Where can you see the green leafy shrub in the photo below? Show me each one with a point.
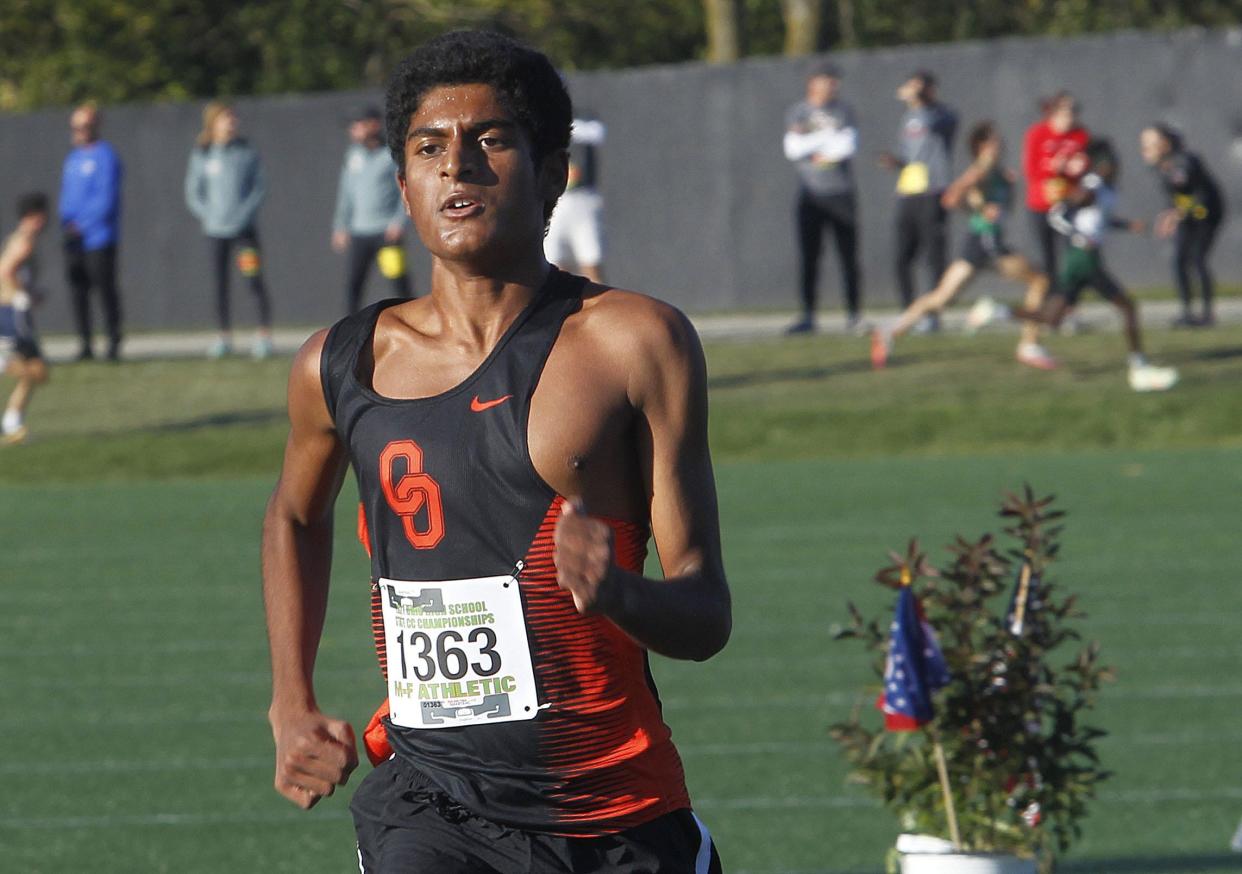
(1021, 761)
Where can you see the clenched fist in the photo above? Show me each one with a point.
(314, 755)
(583, 555)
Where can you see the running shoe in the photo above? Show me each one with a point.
(881, 346)
(802, 326)
(984, 312)
(1035, 355)
(17, 435)
(1236, 843)
(220, 349)
(1148, 377)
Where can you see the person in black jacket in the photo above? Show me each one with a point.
(1193, 219)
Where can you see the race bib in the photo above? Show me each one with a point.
(913, 178)
(457, 652)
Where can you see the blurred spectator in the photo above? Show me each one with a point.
(1047, 148)
(20, 354)
(90, 216)
(575, 238)
(821, 137)
(224, 186)
(370, 218)
(1197, 209)
(925, 164)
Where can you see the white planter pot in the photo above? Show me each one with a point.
(964, 863)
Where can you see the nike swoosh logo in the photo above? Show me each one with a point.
(479, 406)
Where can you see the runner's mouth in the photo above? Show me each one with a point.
(461, 206)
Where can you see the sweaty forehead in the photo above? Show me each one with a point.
(448, 105)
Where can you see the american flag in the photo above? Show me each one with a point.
(914, 669)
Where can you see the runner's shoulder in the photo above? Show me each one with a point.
(635, 323)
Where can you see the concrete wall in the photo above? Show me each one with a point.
(698, 196)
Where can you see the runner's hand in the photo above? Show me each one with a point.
(583, 557)
(314, 755)
(340, 241)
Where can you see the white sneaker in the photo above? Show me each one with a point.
(1236, 843)
(1035, 355)
(1148, 377)
(220, 349)
(984, 312)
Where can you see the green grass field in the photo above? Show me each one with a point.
(133, 682)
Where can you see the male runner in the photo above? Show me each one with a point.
(1085, 216)
(821, 138)
(986, 189)
(517, 434)
(20, 355)
(925, 168)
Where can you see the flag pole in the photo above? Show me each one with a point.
(942, 769)
(1024, 592)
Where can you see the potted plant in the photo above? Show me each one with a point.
(983, 754)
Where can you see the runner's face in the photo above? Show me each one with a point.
(470, 185)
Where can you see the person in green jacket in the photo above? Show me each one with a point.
(224, 187)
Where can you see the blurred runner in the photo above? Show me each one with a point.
(986, 190)
(821, 138)
(1085, 217)
(20, 355)
(1193, 220)
(370, 219)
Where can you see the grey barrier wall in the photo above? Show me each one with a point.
(698, 197)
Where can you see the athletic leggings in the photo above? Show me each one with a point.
(840, 213)
(250, 263)
(361, 256)
(1192, 245)
(921, 224)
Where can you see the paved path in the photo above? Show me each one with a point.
(731, 326)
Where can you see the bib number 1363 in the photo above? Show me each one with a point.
(457, 652)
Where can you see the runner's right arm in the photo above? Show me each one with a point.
(314, 753)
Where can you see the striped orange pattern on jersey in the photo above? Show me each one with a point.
(603, 733)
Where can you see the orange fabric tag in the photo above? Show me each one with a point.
(375, 738)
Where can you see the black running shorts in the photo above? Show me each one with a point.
(406, 826)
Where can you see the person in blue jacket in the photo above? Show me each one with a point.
(224, 187)
(369, 219)
(90, 216)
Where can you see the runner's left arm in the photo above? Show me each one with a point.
(688, 614)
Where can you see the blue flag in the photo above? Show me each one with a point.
(914, 669)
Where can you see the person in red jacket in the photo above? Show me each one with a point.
(1047, 147)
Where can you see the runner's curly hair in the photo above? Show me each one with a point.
(524, 79)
